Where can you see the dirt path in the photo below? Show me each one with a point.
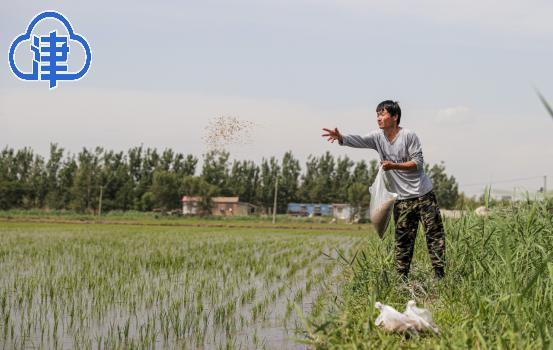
(176, 224)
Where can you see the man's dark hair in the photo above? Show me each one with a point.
(392, 107)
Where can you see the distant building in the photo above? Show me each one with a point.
(190, 205)
(341, 211)
(231, 206)
(222, 206)
(338, 211)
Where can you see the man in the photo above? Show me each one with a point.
(401, 157)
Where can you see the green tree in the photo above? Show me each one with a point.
(142, 165)
(445, 187)
(11, 194)
(85, 188)
(12, 189)
(116, 182)
(23, 168)
(308, 179)
(36, 184)
(358, 198)
(54, 196)
(317, 182)
(270, 170)
(361, 173)
(185, 166)
(342, 179)
(6, 165)
(23, 164)
(289, 182)
(166, 160)
(66, 178)
(215, 170)
(146, 202)
(165, 190)
(243, 180)
(323, 191)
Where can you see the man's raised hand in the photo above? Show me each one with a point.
(332, 135)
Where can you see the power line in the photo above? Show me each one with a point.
(502, 181)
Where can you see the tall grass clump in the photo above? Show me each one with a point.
(497, 293)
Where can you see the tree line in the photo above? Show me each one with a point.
(144, 179)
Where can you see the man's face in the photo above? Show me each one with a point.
(385, 120)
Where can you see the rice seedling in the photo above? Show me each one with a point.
(124, 286)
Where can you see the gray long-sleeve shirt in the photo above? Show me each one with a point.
(405, 147)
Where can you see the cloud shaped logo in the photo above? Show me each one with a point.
(50, 52)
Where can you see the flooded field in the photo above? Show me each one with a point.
(65, 286)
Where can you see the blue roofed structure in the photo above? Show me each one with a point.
(310, 209)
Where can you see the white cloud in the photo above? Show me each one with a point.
(454, 115)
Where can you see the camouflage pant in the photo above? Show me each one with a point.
(407, 215)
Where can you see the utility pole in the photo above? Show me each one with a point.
(275, 202)
(100, 201)
(101, 195)
(544, 186)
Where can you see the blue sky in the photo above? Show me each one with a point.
(463, 72)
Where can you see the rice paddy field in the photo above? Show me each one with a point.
(125, 286)
(105, 286)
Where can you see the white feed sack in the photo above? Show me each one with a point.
(392, 320)
(380, 217)
(421, 317)
(414, 319)
(382, 203)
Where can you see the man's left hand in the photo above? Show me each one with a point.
(387, 165)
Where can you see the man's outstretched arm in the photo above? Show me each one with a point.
(355, 141)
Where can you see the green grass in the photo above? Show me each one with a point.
(141, 286)
(498, 292)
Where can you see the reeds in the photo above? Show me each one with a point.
(497, 293)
